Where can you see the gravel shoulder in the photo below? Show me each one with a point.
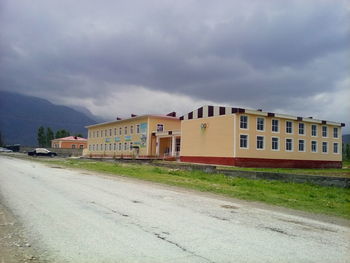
(14, 242)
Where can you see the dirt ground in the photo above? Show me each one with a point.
(14, 245)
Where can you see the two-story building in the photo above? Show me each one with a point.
(253, 138)
(145, 136)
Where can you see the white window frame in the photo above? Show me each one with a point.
(324, 126)
(263, 142)
(290, 127)
(160, 125)
(292, 143)
(241, 122)
(326, 152)
(336, 143)
(278, 126)
(126, 130)
(316, 130)
(138, 128)
(120, 130)
(335, 133)
(304, 130)
(247, 141)
(257, 124)
(304, 145)
(120, 148)
(278, 143)
(315, 147)
(125, 146)
(131, 129)
(115, 131)
(130, 145)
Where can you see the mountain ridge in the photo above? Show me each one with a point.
(22, 115)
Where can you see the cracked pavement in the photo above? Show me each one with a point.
(78, 216)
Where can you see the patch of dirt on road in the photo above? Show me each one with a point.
(14, 245)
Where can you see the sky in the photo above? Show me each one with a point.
(118, 57)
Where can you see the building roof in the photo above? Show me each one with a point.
(211, 111)
(71, 138)
(134, 118)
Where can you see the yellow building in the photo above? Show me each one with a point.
(143, 136)
(253, 138)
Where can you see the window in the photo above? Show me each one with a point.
(289, 145)
(260, 124)
(96, 147)
(94, 134)
(110, 147)
(324, 131)
(105, 147)
(335, 147)
(131, 146)
(314, 146)
(301, 128)
(125, 130)
(115, 131)
(93, 147)
(313, 130)
(120, 146)
(160, 127)
(243, 122)
(125, 146)
(89, 147)
(97, 132)
(335, 132)
(243, 141)
(137, 128)
(73, 146)
(260, 142)
(110, 132)
(101, 147)
(131, 129)
(120, 131)
(301, 146)
(81, 146)
(106, 133)
(324, 147)
(275, 144)
(275, 125)
(114, 147)
(289, 127)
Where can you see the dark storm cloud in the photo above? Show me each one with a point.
(256, 53)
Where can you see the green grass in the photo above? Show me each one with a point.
(316, 199)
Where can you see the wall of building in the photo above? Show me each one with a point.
(282, 153)
(111, 135)
(208, 137)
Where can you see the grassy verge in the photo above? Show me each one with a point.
(344, 172)
(317, 199)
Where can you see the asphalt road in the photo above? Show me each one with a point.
(78, 216)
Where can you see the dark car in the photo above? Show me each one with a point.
(42, 152)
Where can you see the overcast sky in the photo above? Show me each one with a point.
(156, 56)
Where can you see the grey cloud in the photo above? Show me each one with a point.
(256, 53)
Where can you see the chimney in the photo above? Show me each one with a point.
(172, 114)
(119, 119)
(133, 115)
(259, 109)
(75, 137)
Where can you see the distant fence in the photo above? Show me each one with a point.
(59, 151)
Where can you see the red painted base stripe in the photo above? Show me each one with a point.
(261, 163)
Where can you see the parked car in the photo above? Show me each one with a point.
(42, 152)
(5, 150)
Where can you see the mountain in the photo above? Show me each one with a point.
(21, 116)
(346, 138)
(88, 113)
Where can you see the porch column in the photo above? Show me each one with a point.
(173, 146)
(157, 145)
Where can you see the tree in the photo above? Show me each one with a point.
(41, 136)
(347, 151)
(78, 135)
(2, 142)
(49, 136)
(62, 133)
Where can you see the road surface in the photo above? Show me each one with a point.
(77, 216)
